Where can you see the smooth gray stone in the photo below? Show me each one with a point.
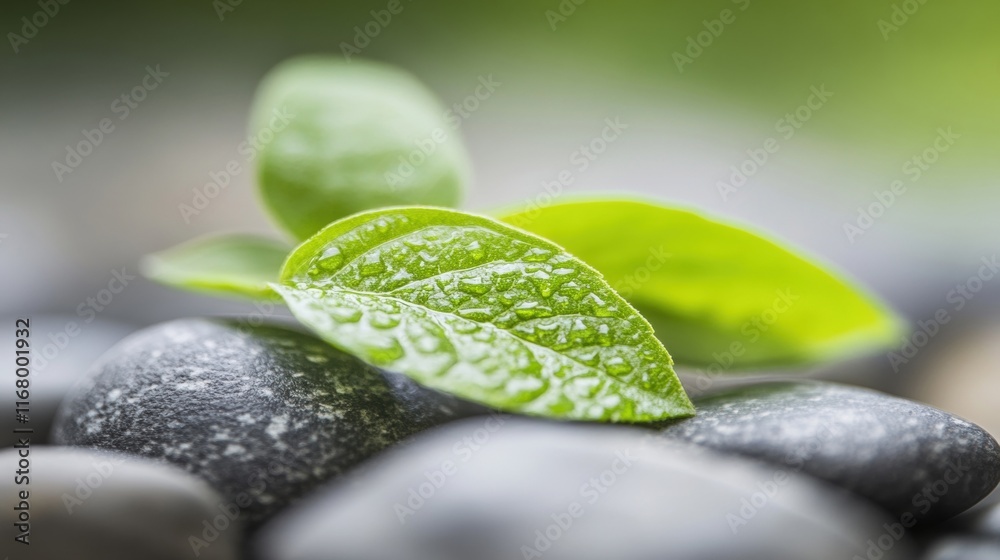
(62, 349)
(527, 489)
(101, 506)
(909, 458)
(989, 522)
(982, 521)
(263, 414)
(964, 548)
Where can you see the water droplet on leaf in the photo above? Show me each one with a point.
(537, 254)
(383, 350)
(616, 365)
(476, 286)
(531, 310)
(476, 314)
(345, 314)
(381, 320)
(331, 259)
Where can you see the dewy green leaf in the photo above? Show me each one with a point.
(717, 294)
(240, 265)
(470, 306)
(338, 138)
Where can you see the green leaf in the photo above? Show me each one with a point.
(339, 138)
(711, 289)
(470, 306)
(240, 265)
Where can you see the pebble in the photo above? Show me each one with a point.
(964, 548)
(105, 506)
(911, 459)
(504, 488)
(62, 349)
(264, 414)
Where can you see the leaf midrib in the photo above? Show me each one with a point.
(368, 250)
(529, 343)
(442, 273)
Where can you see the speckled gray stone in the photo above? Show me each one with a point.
(263, 414)
(905, 456)
(101, 506)
(530, 489)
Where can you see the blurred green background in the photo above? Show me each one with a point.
(898, 72)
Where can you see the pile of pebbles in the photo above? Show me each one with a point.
(210, 439)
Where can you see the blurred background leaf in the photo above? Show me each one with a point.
(225, 265)
(718, 295)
